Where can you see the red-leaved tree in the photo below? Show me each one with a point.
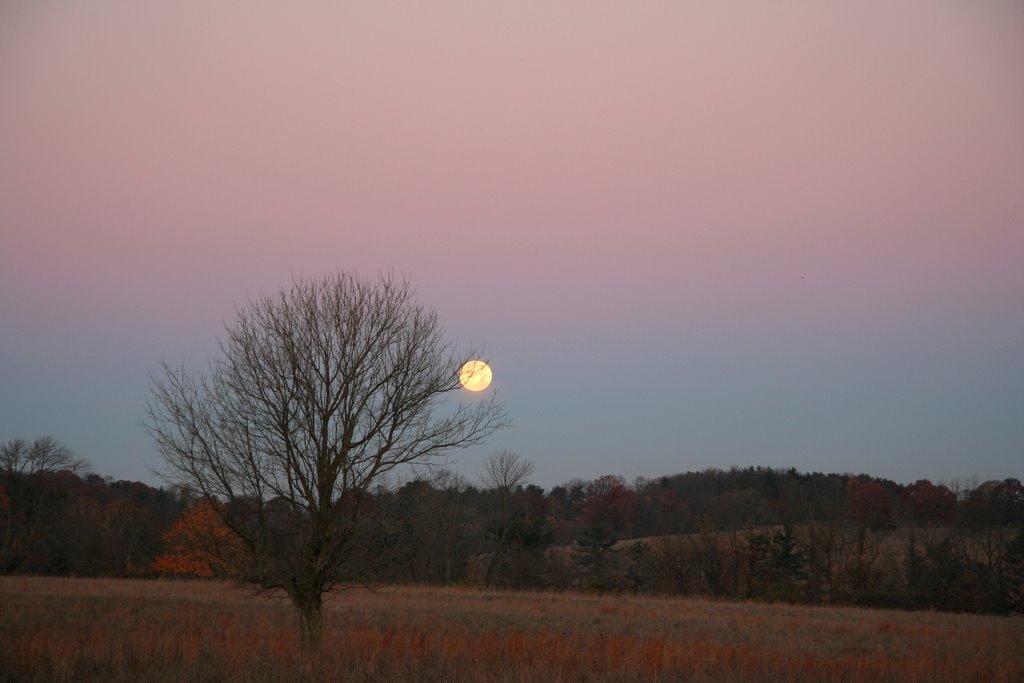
(198, 544)
(610, 504)
(871, 505)
(930, 505)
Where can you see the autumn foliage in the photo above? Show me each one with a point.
(871, 504)
(930, 504)
(199, 544)
(610, 504)
(852, 540)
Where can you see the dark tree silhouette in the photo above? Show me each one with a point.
(43, 456)
(871, 505)
(26, 503)
(504, 471)
(931, 505)
(318, 392)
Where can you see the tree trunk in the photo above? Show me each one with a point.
(311, 621)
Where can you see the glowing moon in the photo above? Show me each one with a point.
(475, 375)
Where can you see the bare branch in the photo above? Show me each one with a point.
(505, 470)
(317, 394)
(45, 454)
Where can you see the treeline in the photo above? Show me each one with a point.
(751, 533)
(57, 518)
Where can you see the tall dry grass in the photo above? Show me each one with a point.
(118, 630)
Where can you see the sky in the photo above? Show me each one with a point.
(688, 234)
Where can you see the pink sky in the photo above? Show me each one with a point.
(743, 211)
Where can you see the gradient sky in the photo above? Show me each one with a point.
(689, 234)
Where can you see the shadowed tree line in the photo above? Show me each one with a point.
(752, 533)
(56, 517)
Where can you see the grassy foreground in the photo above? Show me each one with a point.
(133, 630)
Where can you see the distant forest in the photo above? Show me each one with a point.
(750, 533)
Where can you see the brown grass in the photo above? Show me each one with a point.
(121, 630)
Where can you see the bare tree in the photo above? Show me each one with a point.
(318, 392)
(503, 471)
(45, 454)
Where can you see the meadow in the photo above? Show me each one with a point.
(112, 630)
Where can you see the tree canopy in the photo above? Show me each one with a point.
(318, 392)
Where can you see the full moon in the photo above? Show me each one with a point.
(475, 375)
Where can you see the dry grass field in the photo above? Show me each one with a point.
(135, 630)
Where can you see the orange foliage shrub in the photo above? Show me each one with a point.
(199, 544)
